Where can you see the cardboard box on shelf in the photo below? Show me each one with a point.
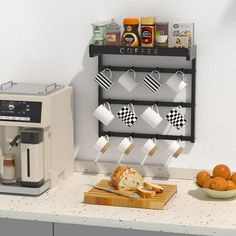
(178, 32)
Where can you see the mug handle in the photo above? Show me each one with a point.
(169, 128)
(183, 75)
(158, 73)
(108, 106)
(134, 73)
(110, 72)
(131, 139)
(131, 107)
(179, 140)
(154, 140)
(181, 110)
(155, 106)
(107, 137)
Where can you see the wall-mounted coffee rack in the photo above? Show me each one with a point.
(189, 54)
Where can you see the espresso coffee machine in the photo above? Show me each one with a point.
(36, 127)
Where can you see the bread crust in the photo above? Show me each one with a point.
(155, 187)
(145, 192)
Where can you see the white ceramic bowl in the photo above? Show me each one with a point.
(218, 194)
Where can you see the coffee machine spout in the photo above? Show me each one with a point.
(13, 142)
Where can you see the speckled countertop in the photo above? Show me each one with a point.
(190, 211)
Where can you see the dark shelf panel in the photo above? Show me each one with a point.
(188, 53)
(147, 136)
(147, 103)
(148, 69)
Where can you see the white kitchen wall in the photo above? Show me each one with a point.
(47, 40)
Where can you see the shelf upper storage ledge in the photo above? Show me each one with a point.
(188, 53)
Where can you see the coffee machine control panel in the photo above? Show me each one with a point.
(20, 111)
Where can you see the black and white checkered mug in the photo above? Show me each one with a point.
(127, 115)
(151, 82)
(176, 118)
(103, 78)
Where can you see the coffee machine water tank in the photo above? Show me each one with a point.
(32, 158)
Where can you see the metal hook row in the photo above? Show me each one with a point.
(158, 69)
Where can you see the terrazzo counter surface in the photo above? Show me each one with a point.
(189, 212)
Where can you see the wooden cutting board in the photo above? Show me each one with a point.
(100, 197)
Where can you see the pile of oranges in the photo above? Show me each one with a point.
(221, 180)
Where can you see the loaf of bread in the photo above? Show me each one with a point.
(155, 187)
(126, 178)
(145, 192)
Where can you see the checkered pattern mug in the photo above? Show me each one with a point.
(127, 115)
(176, 118)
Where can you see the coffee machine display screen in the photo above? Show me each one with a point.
(20, 111)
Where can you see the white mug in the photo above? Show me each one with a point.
(102, 144)
(128, 80)
(176, 83)
(150, 147)
(151, 116)
(126, 145)
(175, 149)
(104, 114)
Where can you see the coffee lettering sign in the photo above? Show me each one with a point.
(138, 51)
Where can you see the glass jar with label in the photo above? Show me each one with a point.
(99, 32)
(148, 31)
(131, 36)
(113, 34)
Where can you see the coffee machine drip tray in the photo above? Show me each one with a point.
(28, 88)
(17, 189)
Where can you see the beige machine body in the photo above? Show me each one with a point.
(54, 117)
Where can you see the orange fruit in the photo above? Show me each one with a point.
(201, 177)
(222, 171)
(233, 178)
(207, 183)
(230, 185)
(219, 184)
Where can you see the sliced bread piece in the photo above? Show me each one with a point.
(145, 192)
(155, 187)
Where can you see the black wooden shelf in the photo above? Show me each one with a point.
(188, 53)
